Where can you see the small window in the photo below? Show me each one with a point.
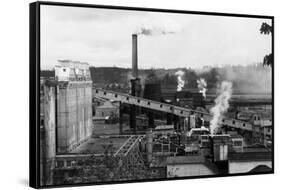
(138, 101)
(64, 70)
(223, 120)
(104, 93)
(204, 137)
(127, 98)
(171, 108)
(237, 143)
(97, 91)
(233, 122)
(244, 125)
(68, 163)
(116, 95)
(59, 164)
(161, 105)
(148, 103)
(181, 112)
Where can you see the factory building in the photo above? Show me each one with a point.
(173, 141)
(66, 113)
(249, 160)
(182, 166)
(109, 108)
(47, 133)
(74, 107)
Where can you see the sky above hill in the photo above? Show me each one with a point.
(102, 37)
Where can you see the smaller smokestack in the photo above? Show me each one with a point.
(135, 56)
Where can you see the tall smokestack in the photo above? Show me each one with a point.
(135, 56)
(135, 88)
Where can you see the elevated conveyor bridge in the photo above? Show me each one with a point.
(167, 108)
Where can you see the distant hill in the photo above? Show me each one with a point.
(251, 78)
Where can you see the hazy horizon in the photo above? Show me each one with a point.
(102, 37)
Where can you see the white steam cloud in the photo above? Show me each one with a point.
(181, 82)
(222, 104)
(202, 86)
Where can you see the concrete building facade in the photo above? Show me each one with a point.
(74, 112)
(107, 109)
(47, 134)
(182, 166)
(74, 104)
(247, 166)
(65, 114)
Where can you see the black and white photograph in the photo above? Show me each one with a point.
(132, 95)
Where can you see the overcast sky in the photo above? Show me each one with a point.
(102, 37)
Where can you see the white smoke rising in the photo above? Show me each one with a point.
(181, 82)
(202, 86)
(222, 104)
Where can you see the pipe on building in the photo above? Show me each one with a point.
(120, 118)
(149, 145)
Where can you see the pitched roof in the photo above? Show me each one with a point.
(250, 156)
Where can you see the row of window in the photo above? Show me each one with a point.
(233, 122)
(69, 163)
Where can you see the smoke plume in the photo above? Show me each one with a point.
(202, 86)
(153, 31)
(181, 82)
(222, 104)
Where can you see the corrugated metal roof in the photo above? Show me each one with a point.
(250, 156)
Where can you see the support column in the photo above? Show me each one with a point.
(133, 124)
(169, 118)
(120, 119)
(151, 119)
(149, 145)
(176, 123)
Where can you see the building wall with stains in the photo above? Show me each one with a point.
(246, 166)
(182, 170)
(47, 134)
